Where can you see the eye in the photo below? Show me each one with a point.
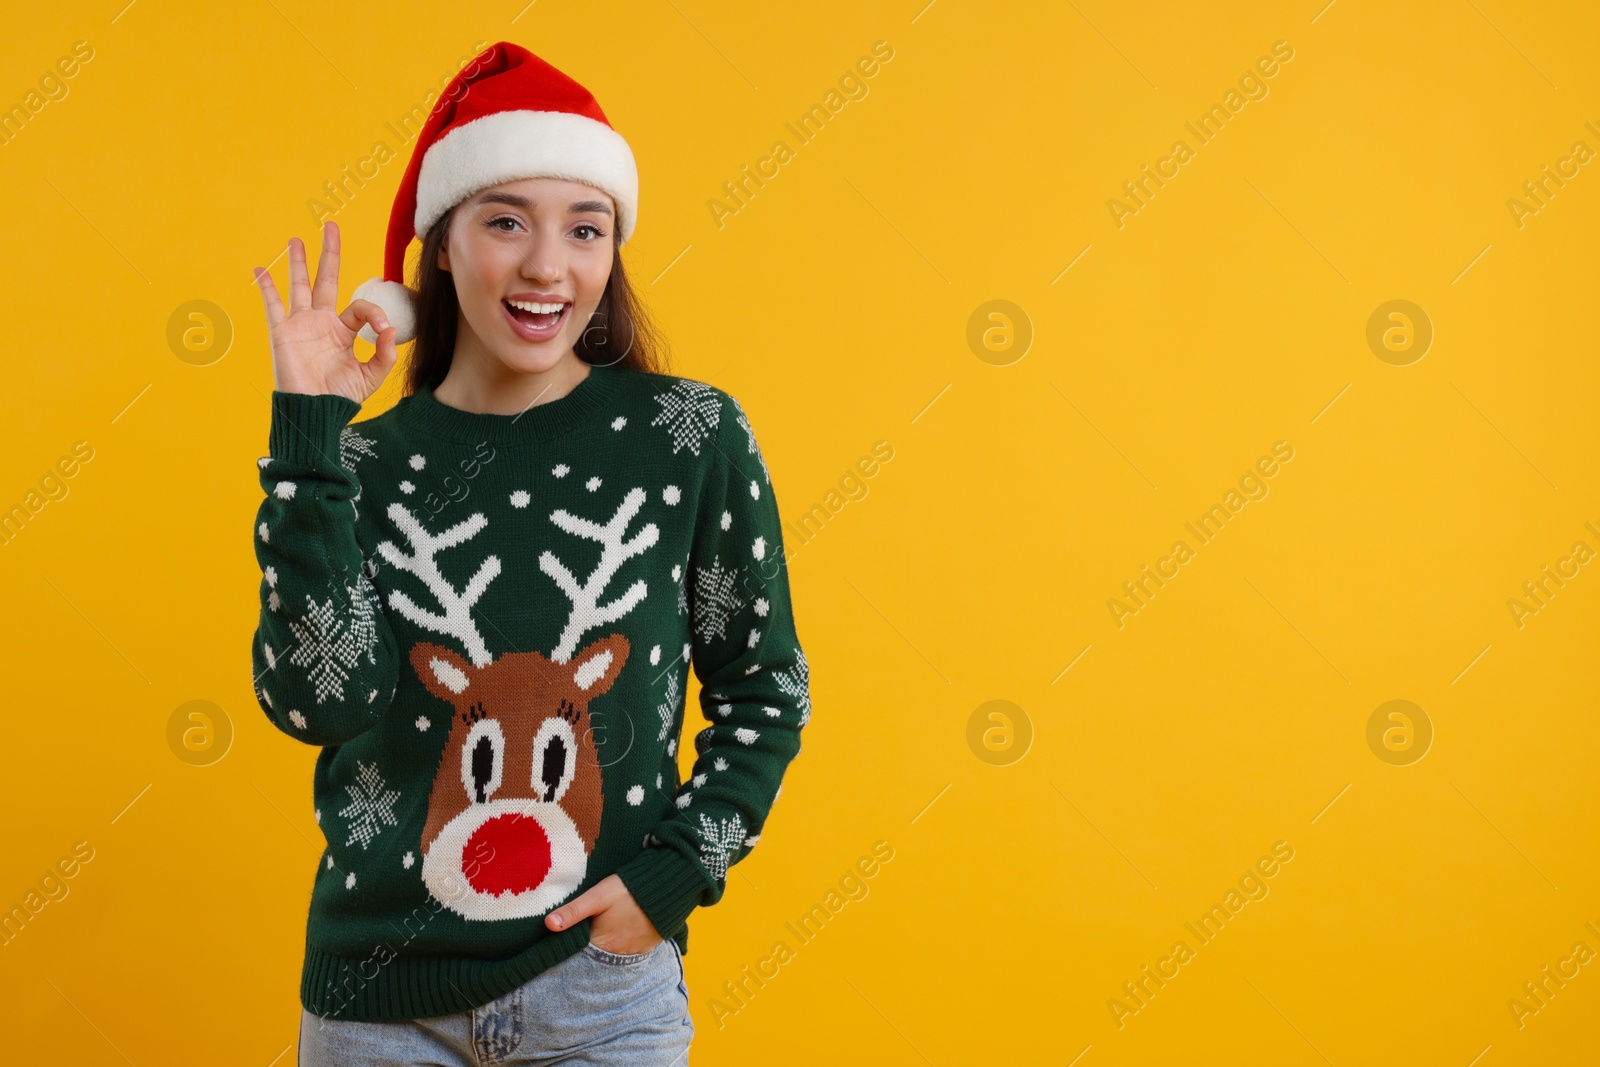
(483, 758)
(555, 759)
(494, 223)
(597, 231)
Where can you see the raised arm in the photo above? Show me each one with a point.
(325, 660)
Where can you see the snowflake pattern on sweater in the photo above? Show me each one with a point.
(331, 639)
(668, 709)
(371, 805)
(472, 646)
(716, 599)
(719, 840)
(753, 448)
(691, 412)
(354, 446)
(795, 682)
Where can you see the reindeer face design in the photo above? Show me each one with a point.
(516, 801)
(515, 808)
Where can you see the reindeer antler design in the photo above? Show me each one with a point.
(456, 619)
(587, 612)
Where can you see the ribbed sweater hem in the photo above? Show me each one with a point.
(424, 987)
(306, 426)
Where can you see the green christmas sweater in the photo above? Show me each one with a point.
(485, 623)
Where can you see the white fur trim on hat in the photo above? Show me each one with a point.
(509, 145)
(399, 307)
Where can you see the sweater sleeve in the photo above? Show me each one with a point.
(325, 660)
(754, 686)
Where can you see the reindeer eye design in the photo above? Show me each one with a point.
(555, 759)
(483, 760)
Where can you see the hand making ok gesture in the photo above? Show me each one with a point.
(313, 347)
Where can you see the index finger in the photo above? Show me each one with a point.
(269, 296)
(325, 294)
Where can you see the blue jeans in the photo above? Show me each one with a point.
(594, 1008)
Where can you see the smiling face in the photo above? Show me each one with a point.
(530, 260)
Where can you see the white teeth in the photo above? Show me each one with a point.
(537, 309)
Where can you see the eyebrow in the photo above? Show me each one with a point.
(514, 200)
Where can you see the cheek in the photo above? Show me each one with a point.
(591, 274)
(481, 267)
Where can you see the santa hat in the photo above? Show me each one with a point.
(506, 115)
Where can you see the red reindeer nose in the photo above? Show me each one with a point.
(507, 854)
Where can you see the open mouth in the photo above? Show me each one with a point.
(536, 321)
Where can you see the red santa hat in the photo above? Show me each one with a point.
(506, 115)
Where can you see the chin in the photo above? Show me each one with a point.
(526, 358)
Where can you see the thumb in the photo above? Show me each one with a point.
(583, 906)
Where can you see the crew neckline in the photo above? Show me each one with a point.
(424, 411)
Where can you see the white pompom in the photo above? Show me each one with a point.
(398, 304)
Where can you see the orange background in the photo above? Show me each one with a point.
(1044, 853)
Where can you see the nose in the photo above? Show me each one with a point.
(507, 854)
(544, 260)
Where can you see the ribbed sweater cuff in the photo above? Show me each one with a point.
(305, 428)
(666, 886)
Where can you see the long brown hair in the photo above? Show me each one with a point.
(620, 323)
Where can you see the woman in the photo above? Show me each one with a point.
(482, 605)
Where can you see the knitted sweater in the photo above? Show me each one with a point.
(486, 624)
